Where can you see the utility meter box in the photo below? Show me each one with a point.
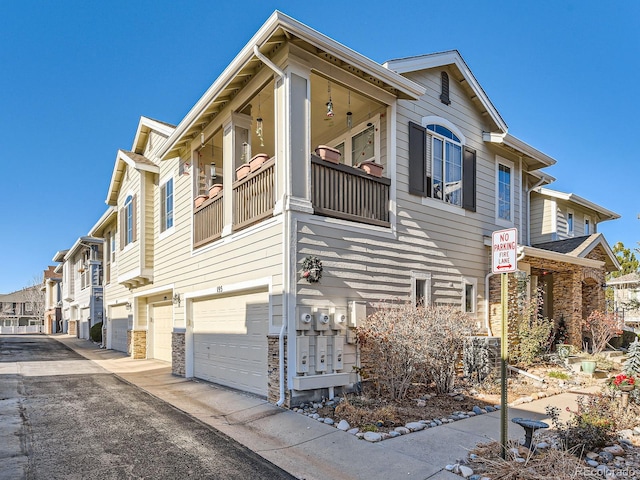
(338, 352)
(357, 313)
(339, 319)
(303, 318)
(302, 354)
(321, 353)
(322, 320)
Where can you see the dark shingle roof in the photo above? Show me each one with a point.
(563, 246)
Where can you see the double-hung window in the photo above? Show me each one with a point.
(128, 220)
(166, 205)
(570, 223)
(587, 225)
(504, 191)
(446, 164)
(440, 165)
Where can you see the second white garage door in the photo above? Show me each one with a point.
(230, 341)
(159, 334)
(119, 322)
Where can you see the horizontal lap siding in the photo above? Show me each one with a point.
(256, 254)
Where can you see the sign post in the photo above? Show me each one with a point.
(504, 248)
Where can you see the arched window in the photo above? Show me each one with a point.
(446, 165)
(440, 165)
(444, 88)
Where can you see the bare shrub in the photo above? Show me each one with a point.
(602, 327)
(404, 344)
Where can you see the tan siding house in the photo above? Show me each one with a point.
(221, 225)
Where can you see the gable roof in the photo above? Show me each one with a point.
(145, 126)
(603, 213)
(278, 29)
(453, 58)
(536, 159)
(580, 247)
(126, 159)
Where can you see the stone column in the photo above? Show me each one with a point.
(178, 353)
(273, 371)
(139, 348)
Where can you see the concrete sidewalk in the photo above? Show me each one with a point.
(302, 446)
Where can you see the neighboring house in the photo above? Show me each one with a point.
(213, 269)
(565, 257)
(82, 291)
(560, 216)
(626, 298)
(22, 311)
(52, 288)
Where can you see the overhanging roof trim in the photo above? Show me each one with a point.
(59, 256)
(572, 197)
(278, 20)
(560, 257)
(516, 143)
(134, 160)
(451, 57)
(106, 216)
(82, 241)
(146, 125)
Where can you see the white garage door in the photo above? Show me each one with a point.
(230, 341)
(159, 334)
(119, 326)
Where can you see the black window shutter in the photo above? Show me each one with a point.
(469, 180)
(417, 153)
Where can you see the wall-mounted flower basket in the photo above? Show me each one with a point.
(312, 269)
(327, 153)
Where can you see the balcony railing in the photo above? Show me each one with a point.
(346, 192)
(253, 201)
(254, 196)
(208, 220)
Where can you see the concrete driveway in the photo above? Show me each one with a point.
(63, 416)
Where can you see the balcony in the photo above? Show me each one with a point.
(253, 201)
(348, 193)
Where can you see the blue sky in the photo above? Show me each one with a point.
(75, 77)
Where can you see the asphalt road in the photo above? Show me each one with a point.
(64, 417)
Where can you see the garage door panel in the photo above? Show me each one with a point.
(119, 338)
(230, 341)
(160, 331)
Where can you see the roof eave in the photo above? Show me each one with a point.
(517, 144)
(451, 57)
(278, 20)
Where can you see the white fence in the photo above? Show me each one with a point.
(23, 329)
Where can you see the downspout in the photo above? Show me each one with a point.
(286, 228)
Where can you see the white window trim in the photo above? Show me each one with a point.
(347, 137)
(433, 119)
(426, 276)
(570, 231)
(445, 123)
(167, 232)
(587, 218)
(474, 304)
(501, 221)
